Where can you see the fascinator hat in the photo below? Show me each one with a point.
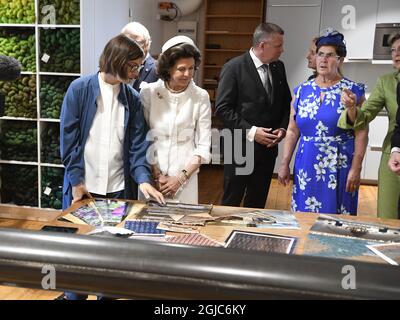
(331, 37)
(175, 41)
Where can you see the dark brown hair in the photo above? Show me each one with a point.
(117, 53)
(340, 50)
(169, 58)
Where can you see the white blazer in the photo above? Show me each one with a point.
(180, 126)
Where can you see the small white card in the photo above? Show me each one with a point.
(47, 191)
(45, 58)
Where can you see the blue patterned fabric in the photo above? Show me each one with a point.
(325, 152)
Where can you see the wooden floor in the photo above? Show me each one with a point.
(279, 197)
(210, 191)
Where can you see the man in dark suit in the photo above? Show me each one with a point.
(253, 101)
(147, 72)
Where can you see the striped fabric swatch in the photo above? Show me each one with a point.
(195, 239)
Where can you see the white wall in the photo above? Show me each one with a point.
(388, 11)
(98, 27)
(296, 40)
(145, 12)
(365, 72)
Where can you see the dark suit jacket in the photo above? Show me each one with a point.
(396, 134)
(147, 73)
(242, 100)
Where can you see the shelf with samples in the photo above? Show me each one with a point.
(229, 27)
(45, 36)
(228, 32)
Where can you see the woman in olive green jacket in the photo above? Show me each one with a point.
(383, 96)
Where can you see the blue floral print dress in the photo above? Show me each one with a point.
(325, 151)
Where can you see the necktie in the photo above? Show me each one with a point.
(267, 81)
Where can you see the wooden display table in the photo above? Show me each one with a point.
(36, 219)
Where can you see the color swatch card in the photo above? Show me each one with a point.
(330, 246)
(263, 219)
(195, 239)
(143, 227)
(260, 242)
(339, 226)
(102, 212)
(177, 208)
(390, 252)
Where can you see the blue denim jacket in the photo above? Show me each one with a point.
(77, 114)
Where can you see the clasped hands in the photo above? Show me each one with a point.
(269, 137)
(168, 185)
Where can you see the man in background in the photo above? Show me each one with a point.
(311, 58)
(147, 72)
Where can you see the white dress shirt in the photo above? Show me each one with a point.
(103, 153)
(180, 126)
(261, 72)
(259, 67)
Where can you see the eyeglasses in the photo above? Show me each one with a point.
(133, 67)
(183, 69)
(329, 55)
(395, 50)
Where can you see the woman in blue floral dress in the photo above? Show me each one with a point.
(328, 161)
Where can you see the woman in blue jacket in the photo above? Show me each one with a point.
(103, 131)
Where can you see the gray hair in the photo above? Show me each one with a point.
(265, 30)
(134, 29)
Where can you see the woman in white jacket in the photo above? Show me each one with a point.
(179, 116)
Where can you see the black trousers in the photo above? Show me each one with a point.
(254, 187)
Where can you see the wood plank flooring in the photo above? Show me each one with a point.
(279, 197)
